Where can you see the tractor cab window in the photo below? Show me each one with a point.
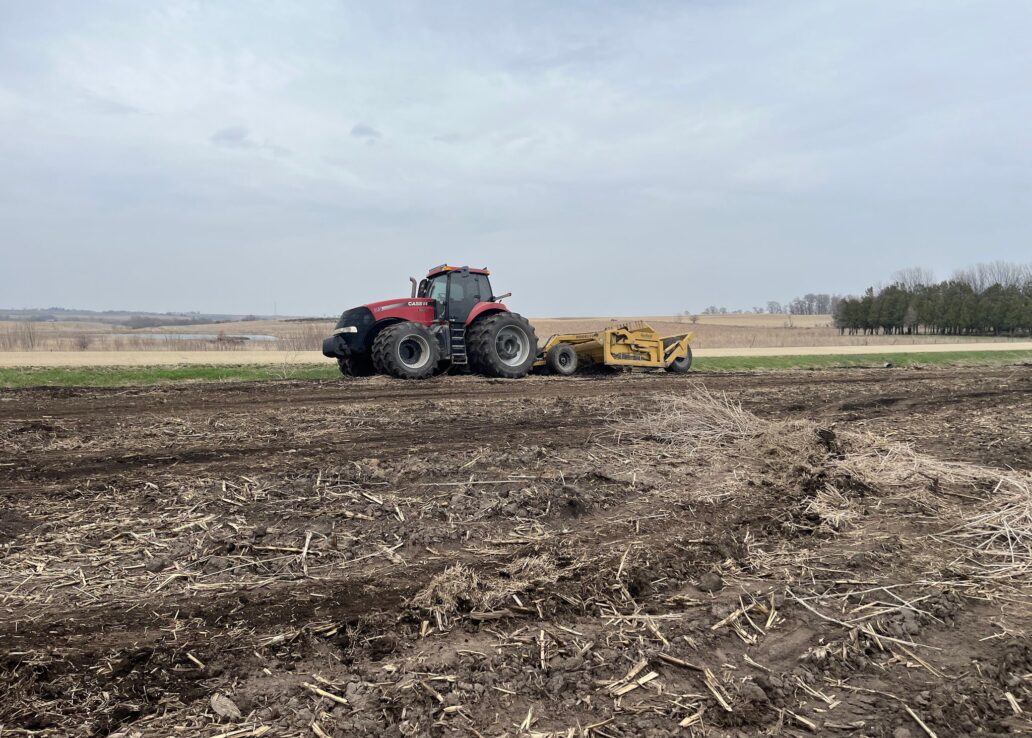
(481, 287)
(437, 288)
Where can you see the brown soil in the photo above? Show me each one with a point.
(484, 557)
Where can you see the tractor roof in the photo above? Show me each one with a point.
(445, 268)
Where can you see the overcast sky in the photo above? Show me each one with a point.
(600, 157)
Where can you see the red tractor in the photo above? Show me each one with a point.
(453, 318)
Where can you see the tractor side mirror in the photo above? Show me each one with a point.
(501, 297)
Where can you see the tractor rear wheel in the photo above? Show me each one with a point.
(562, 359)
(682, 365)
(406, 351)
(502, 345)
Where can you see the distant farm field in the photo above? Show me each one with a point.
(733, 331)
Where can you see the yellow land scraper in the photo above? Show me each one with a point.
(631, 345)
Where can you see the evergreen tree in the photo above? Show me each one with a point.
(969, 304)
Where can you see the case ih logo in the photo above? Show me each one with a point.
(411, 303)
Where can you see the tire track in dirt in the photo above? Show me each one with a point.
(762, 393)
(348, 446)
(59, 402)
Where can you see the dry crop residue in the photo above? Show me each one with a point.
(832, 553)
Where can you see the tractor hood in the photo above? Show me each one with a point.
(398, 303)
(357, 327)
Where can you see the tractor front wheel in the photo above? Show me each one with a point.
(406, 351)
(353, 366)
(502, 345)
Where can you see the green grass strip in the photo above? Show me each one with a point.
(118, 376)
(834, 361)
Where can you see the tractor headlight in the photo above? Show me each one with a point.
(346, 329)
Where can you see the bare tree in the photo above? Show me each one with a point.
(1006, 274)
(982, 276)
(913, 277)
(27, 335)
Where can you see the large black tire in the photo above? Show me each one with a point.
(562, 359)
(355, 366)
(502, 345)
(406, 351)
(682, 365)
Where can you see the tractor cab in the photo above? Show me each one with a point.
(455, 291)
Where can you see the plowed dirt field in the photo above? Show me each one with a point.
(801, 553)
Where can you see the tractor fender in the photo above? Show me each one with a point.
(485, 308)
(378, 328)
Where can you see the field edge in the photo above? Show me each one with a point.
(115, 376)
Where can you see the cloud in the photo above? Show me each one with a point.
(774, 148)
(451, 138)
(233, 137)
(107, 106)
(367, 132)
(239, 137)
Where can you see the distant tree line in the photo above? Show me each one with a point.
(987, 299)
(809, 304)
(149, 321)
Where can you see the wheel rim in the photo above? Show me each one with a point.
(414, 351)
(564, 359)
(512, 345)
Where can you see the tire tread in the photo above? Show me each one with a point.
(479, 343)
(385, 358)
(682, 368)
